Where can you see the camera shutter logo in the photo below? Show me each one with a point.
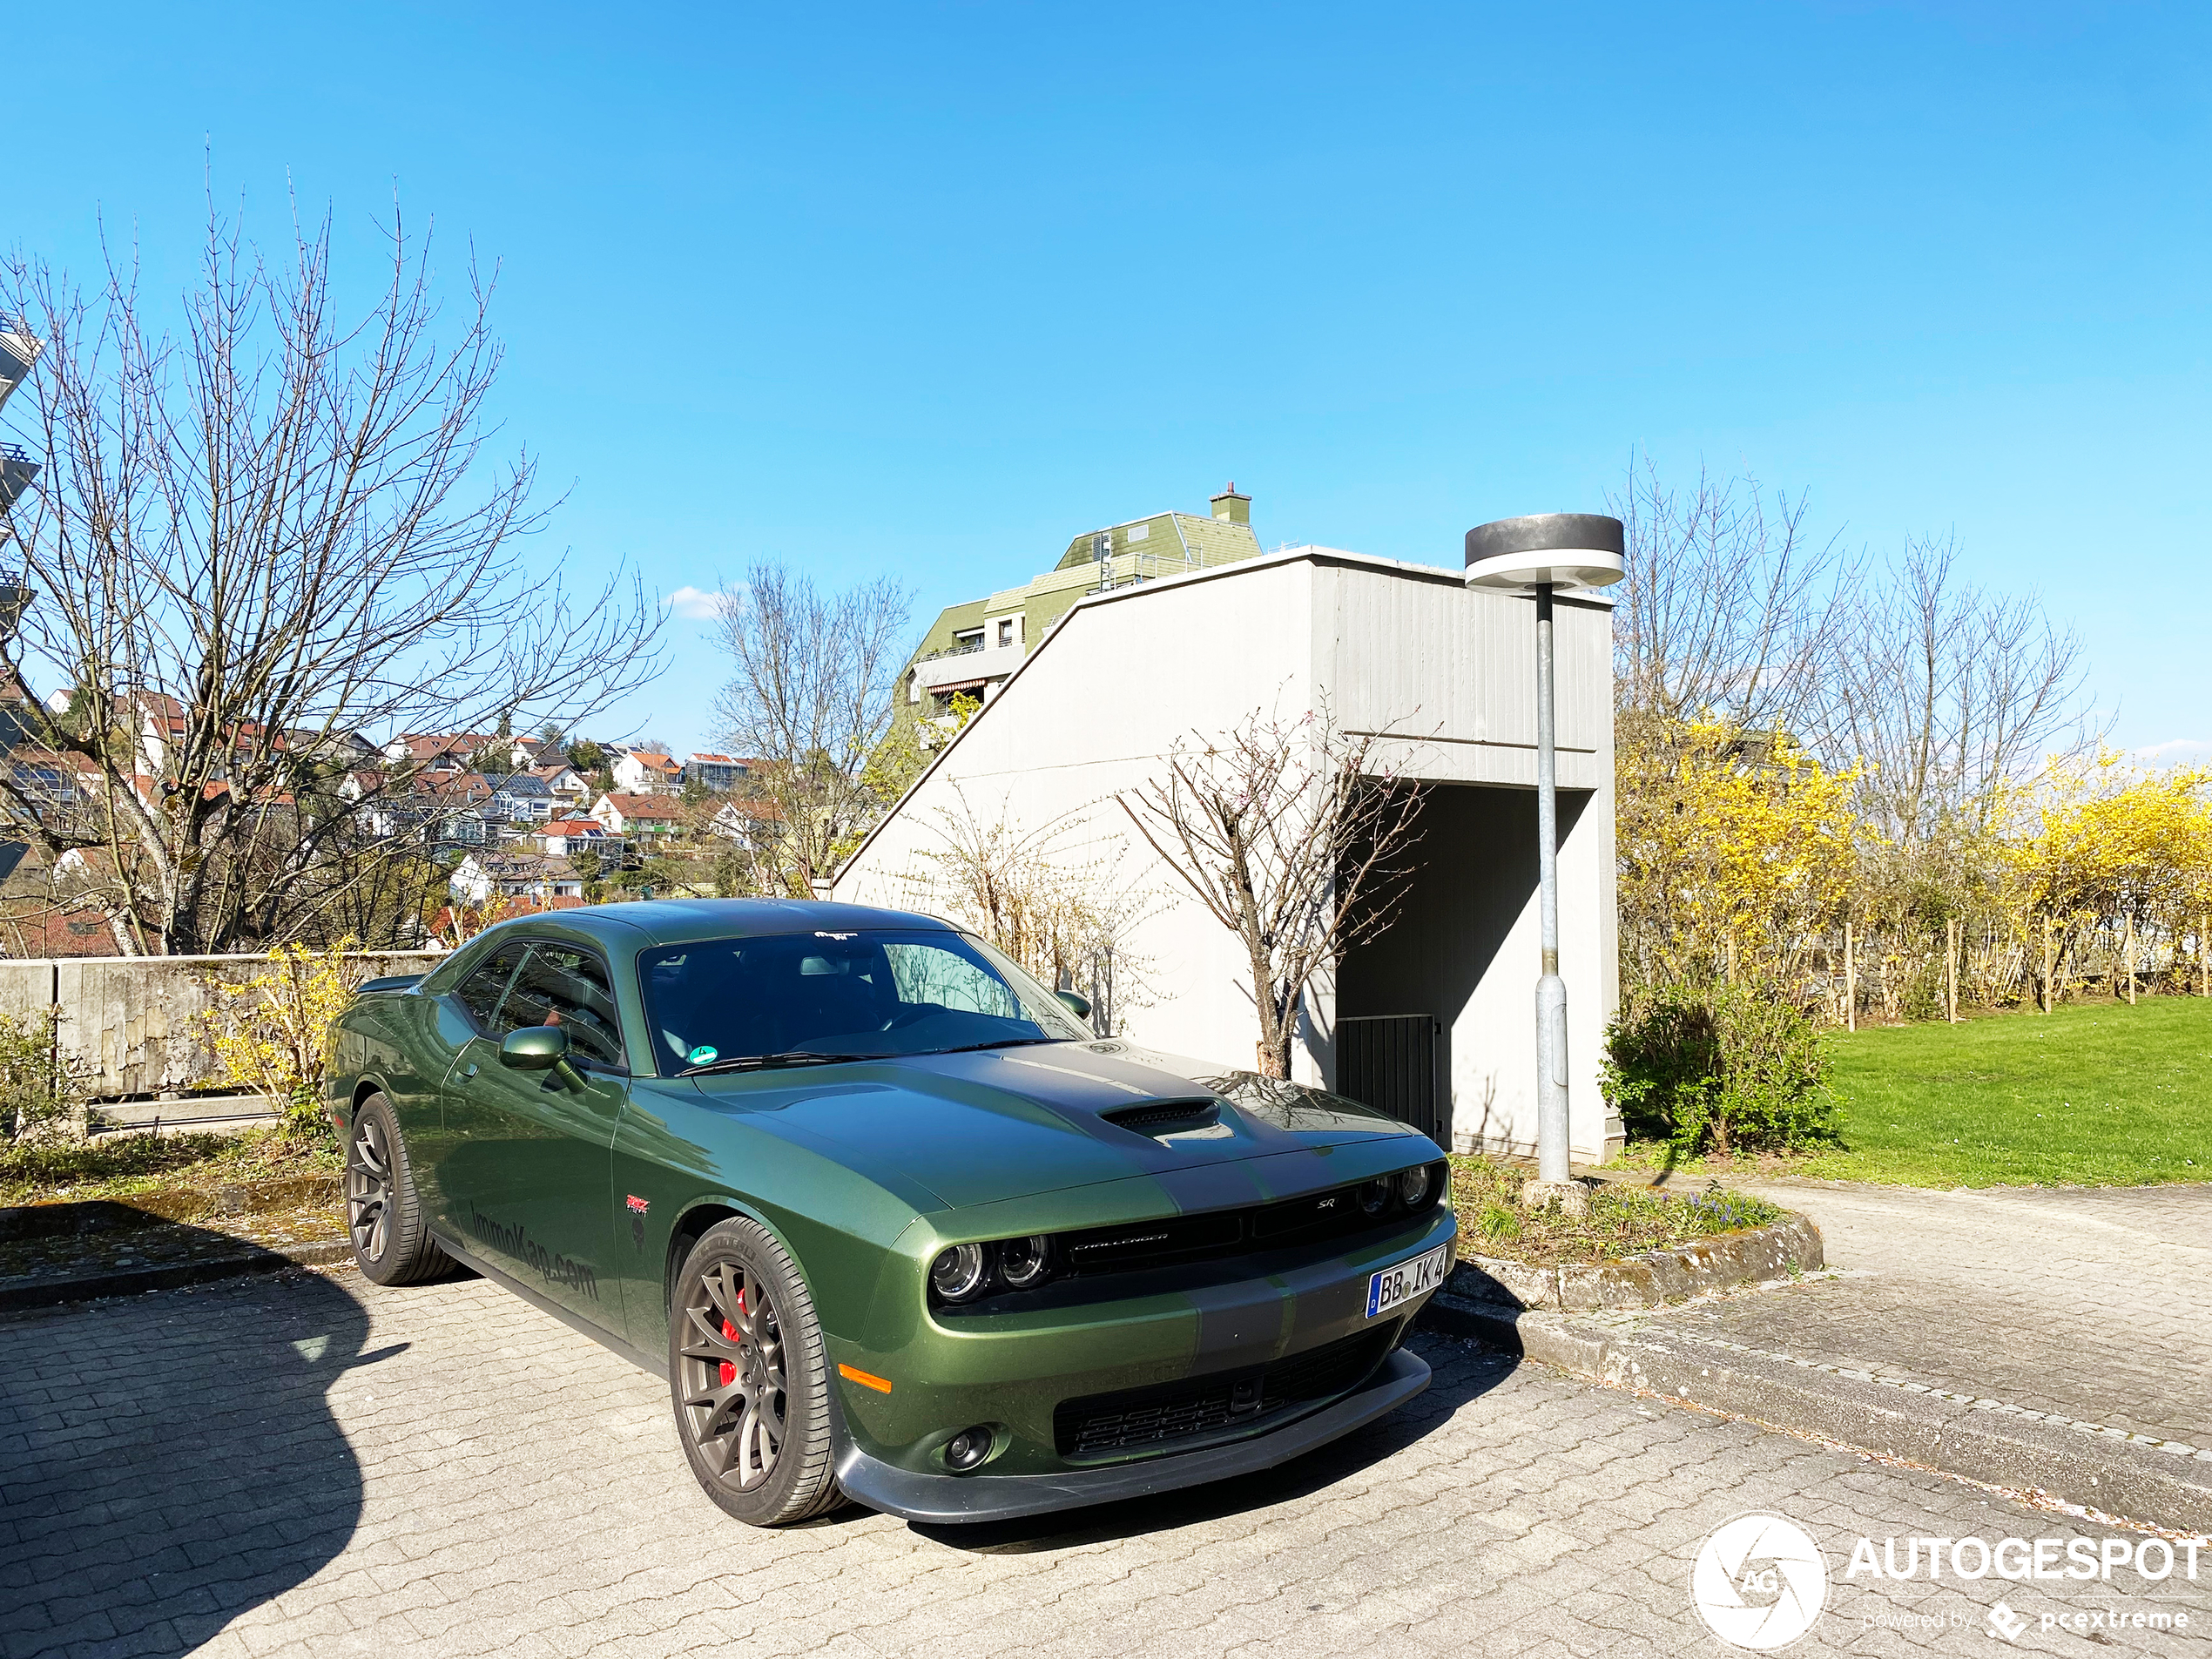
(1759, 1582)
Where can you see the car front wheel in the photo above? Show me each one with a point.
(750, 1381)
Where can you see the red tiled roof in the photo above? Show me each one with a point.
(653, 807)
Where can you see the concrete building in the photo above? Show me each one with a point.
(719, 772)
(1439, 1009)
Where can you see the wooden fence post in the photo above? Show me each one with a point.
(2050, 991)
(1951, 969)
(1851, 982)
(2127, 958)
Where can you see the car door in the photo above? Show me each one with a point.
(531, 1151)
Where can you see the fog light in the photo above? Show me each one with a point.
(958, 1273)
(967, 1448)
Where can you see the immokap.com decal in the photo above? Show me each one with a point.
(1760, 1581)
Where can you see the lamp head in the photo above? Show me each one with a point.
(1566, 549)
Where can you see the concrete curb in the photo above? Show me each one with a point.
(54, 1291)
(1984, 1440)
(1649, 1278)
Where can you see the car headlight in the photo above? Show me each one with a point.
(1374, 1196)
(1024, 1263)
(957, 1274)
(1414, 1186)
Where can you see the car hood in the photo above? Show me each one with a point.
(1014, 1123)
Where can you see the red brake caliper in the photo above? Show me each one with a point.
(730, 1331)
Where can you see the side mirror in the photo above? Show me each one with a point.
(1077, 1005)
(534, 1048)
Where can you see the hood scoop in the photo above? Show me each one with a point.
(1169, 1119)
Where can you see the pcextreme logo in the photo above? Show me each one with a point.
(1759, 1582)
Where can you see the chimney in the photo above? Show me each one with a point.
(1236, 509)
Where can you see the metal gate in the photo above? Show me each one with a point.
(1389, 1061)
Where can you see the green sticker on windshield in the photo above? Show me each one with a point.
(701, 1055)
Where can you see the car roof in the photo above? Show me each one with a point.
(677, 921)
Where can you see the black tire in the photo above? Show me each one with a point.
(749, 1380)
(391, 1237)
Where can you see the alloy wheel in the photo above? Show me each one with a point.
(733, 1382)
(368, 1188)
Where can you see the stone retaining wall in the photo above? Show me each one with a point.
(135, 1022)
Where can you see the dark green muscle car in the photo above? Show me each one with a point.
(896, 1225)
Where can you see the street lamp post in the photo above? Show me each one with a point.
(1539, 555)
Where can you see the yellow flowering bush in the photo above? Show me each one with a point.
(1736, 849)
(271, 1033)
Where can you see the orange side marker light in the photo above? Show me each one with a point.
(855, 1374)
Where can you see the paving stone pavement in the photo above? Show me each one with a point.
(2095, 1302)
(309, 1465)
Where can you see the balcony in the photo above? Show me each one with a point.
(18, 351)
(971, 666)
(17, 468)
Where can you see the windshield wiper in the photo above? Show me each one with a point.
(763, 1061)
(1001, 1043)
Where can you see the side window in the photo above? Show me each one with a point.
(481, 992)
(563, 986)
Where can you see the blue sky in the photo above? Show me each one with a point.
(929, 289)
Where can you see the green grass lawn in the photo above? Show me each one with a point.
(2100, 1095)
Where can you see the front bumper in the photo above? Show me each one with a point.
(955, 1498)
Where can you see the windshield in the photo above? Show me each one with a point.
(871, 993)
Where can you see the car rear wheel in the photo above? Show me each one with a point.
(391, 1238)
(749, 1378)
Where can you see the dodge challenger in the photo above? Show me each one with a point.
(896, 1223)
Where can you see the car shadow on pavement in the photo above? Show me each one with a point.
(169, 1461)
(1462, 1372)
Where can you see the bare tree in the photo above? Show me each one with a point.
(1730, 610)
(1289, 833)
(1947, 695)
(254, 541)
(809, 705)
(1057, 898)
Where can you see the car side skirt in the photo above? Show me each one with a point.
(956, 1498)
(605, 1338)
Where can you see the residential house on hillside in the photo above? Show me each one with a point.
(637, 817)
(718, 772)
(565, 835)
(444, 808)
(457, 752)
(521, 800)
(565, 784)
(643, 772)
(742, 819)
(484, 876)
(971, 649)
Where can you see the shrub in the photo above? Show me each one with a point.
(272, 1033)
(42, 1092)
(1722, 1069)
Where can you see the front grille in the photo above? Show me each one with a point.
(1339, 1213)
(1138, 1418)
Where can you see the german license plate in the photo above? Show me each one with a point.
(1387, 1289)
